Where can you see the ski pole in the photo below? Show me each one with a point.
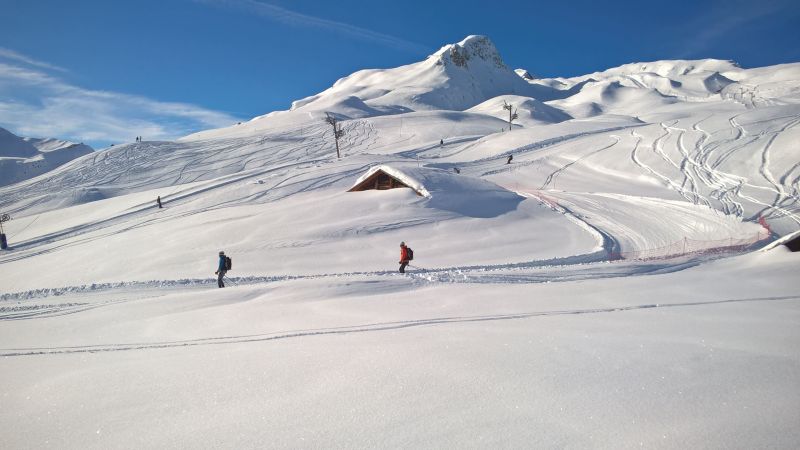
(225, 277)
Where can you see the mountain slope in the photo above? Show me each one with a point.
(607, 287)
(13, 146)
(25, 158)
(456, 77)
(680, 130)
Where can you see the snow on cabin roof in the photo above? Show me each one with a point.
(406, 176)
(448, 191)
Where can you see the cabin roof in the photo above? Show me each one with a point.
(405, 177)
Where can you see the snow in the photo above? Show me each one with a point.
(524, 74)
(473, 65)
(24, 158)
(514, 327)
(401, 175)
(12, 145)
(530, 111)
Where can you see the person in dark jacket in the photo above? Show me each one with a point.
(403, 257)
(221, 270)
(158, 200)
(510, 157)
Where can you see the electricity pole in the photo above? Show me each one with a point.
(337, 130)
(511, 115)
(3, 241)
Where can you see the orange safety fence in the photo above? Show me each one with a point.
(688, 246)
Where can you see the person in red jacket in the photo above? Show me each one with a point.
(403, 257)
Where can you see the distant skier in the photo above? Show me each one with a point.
(221, 269)
(158, 200)
(441, 142)
(406, 254)
(510, 157)
(455, 169)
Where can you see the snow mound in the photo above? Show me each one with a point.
(764, 86)
(350, 107)
(674, 68)
(448, 191)
(687, 80)
(612, 96)
(529, 110)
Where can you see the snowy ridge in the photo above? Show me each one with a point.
(456, 77)
(14, 146)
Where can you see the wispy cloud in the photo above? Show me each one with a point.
(38, 104)
(9, 54)
(296, 19)
(727, 18)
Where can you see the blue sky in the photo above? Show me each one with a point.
(105, 71)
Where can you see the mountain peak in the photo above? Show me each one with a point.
(525, 74)
(472, 48)
(457, 77)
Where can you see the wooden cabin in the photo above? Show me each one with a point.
(380, 181)
(793, 244)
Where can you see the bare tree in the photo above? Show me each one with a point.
(337, 129)
(511, 115)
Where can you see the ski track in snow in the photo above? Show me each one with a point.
(656, 146)
(704, 181)
(693, 168)
(591, 266)
(144, 215)
(362, 328)
(724, 186)
(699, 167)
(203, 160)
(780, 193)
(551, 178)
(771, 210)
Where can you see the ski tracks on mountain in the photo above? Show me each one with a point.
(29, 304)
(362, 328)
(551, 178)
(704, 180)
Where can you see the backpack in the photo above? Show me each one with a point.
(410, 253)
(228, 263)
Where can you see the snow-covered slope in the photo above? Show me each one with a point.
(13, 146)
(525, 74)
(530, 112)
(456, 77)
(569, 273)
(683, 80)
(24, 158)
